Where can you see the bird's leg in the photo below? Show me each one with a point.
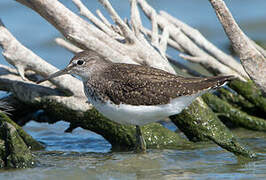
(140, 143)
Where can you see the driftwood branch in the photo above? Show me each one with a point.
(67, 45)
(202, 42)
(135, 19)
(84, 11)
(154, 29)
(80, 33)
(87, 36)
(252, 60)
(183, 68)
(104, 20)
(130, 37)
(24, 59)
(209, 62)
(29, 92)
(74, 49)
(170, 41)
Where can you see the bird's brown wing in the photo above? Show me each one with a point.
(142, 85)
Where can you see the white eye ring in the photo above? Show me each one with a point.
(80, 62)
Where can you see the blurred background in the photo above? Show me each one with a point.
(38, 35)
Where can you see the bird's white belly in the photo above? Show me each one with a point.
(141, 115)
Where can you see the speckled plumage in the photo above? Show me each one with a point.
(142, 85)
(133, 84)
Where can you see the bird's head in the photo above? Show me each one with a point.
(82, 64)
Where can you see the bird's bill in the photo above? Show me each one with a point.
(56, 74)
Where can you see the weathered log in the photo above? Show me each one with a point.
(209, 127)
(16, 145)
(249, 91)
(198, 55)
(235, 116)
(238, 101)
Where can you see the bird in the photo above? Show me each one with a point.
(134, 94)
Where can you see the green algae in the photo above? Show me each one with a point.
(202, 124)
(235, 115)
(14, 151)
(30, 142)
(249, 91)
(237, 101)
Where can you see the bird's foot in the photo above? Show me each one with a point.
(140, 141)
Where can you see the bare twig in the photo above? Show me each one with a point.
(67, 45)
(163, 41)
(154, 30)
(184, 68)
(135, 18)
(192, 58)
(104, 20)
(170, 42)
(85, 12)
(130, 37)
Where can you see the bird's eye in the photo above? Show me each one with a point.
(80, 62)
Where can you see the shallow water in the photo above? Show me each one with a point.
(165, 164)
(86, 155)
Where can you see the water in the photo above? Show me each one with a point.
(86, 155)
(55, 139)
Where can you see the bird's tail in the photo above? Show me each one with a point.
(218, 81)
(207, 83)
